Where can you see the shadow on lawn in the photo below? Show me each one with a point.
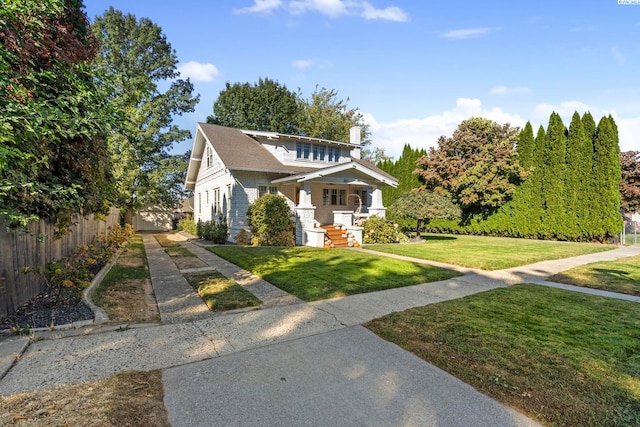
(314, 274)
(621, 274)
(436, 238)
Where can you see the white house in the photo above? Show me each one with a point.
(325, 182)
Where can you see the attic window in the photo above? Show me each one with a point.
(209, 157)
(303, 150)
(334, 154)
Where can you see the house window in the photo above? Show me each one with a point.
(333, 197)
(199, 202)
(209, 157)
(334, 154)
(303, 150)
(206, 197)
(319, 152)
(216, 200)
(263, 189)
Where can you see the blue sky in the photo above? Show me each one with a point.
(415, 69)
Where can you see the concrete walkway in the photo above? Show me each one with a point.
(287, 363)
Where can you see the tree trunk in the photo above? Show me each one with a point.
(128, 216)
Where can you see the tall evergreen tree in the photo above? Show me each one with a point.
(402, 169)
(607, 174)
(579, 179)
(526, 146)
(554, 167)
(523, 215)
(589, 126)
(537, 206)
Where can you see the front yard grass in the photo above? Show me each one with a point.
(488, 253)
(313, 273)
(126, 294)
(221, 293)
(563, 358)
(621, 276)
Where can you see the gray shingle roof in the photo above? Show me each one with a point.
(241, 152)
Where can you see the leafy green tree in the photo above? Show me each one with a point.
(55, 115)
(269, 106)
(265, 106)
(630, 183)
(422, 207)
(139, 60)
(270, 220)
(325, 116)
(477, 167)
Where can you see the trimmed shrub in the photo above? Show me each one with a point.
(270, 220)
(216, 231)
(382, 230)
(188, 226)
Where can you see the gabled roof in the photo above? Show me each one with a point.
(238, 150)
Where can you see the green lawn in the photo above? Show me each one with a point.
(220, 293)
(314, 273)
(563, 358)
(488, 253)
(621, 276)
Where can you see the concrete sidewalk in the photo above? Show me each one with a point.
(287, 363)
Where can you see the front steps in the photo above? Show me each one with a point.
(336, 237)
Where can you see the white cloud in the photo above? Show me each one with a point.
(628, 133)
(506, 90)
(303, 64)
(565, 109)
(424, 132)
(391, 13)
(198, 72)
(260, 6)
(330, 8)
(466, 33)
(628, 127)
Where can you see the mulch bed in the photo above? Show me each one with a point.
(49, 309)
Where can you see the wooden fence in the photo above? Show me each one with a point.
(19, 250)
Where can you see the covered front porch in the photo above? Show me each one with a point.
(340, 197)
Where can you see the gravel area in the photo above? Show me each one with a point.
(48, 309)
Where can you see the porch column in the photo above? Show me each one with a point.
(305, 213)
(377, 208)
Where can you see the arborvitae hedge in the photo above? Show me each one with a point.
(572, 192)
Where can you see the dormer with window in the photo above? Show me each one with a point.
(317, 152)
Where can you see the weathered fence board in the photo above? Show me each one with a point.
(19, 250)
